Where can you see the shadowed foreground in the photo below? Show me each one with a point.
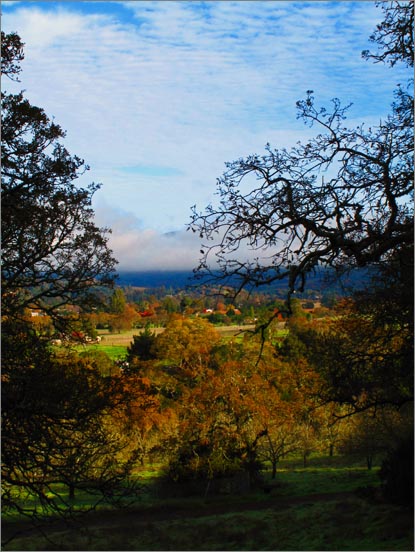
(325, 521)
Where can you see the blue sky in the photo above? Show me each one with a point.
(157, 95)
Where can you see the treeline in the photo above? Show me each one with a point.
(127, 308)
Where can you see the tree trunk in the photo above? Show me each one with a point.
(369, 460)
(274, 470)
(331, 450)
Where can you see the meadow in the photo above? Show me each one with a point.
(333, 504)
(115, 344)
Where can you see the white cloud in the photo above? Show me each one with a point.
(41, 31)
(140, 248)
(149, 250)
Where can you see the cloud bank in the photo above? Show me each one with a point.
(141, 248)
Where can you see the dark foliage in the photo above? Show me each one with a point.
(53, 426)
(397, 473)
(52, 251)
(53, 406)
(366, 355)
(11, 55)
(143, 346)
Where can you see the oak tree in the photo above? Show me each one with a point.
(53, 408)
(187, 344)
(53, 253)
(342, 199)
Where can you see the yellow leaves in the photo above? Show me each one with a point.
(188, 342)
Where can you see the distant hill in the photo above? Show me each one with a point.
(155, 279)
(323, 280)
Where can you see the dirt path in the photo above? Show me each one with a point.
(168, 512)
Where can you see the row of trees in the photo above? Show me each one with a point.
(117, 312)
(123, 316)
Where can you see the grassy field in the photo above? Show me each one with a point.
(115, 344)
(322, 507)
(125, 337)
(115, 352)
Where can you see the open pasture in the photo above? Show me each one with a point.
(126, 337)
(115, 344)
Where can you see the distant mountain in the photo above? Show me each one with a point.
(155, 279)
(322, 280)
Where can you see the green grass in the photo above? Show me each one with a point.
(276, 521)
(320, 480)
(115, 352)
(59, 493)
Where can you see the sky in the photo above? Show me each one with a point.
(157, 95)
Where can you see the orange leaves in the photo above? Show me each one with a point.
(124, 319)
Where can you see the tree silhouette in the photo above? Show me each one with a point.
(341, 200)
(54, 408)
(53, 253)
